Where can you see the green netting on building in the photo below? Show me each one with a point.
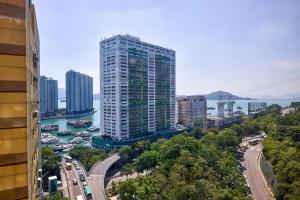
(137, 91)
(162, 92)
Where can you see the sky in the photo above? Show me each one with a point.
(246, 47)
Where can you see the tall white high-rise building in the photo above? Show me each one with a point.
(137, 89)
(79, 92)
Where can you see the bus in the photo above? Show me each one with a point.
(88, 192)
(68, 166)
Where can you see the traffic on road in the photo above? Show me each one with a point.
(76, 179)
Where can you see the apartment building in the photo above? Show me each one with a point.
(192, 110)
(137, 89)
(19, 118)
(79, 92)
(48, 91)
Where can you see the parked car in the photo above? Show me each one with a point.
(75, 181)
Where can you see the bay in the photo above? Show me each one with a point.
(95, 117)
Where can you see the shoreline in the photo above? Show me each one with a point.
(69, 116)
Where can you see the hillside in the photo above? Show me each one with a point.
(222, 95)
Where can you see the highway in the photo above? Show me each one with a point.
(97, 175)
(75, 190)
(257, 183)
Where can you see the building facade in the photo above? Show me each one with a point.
(137, 89)
(19, 75)
(256, 107)
(192, 111)
(79, 92)
(48, 91)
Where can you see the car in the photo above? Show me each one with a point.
(77, 167)
(84, 184)
(75, 162)
(81, 177)
(75, 181)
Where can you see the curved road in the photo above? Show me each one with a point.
(256, 180)
(97, 175)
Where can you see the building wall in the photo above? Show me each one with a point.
(19, 75)
(79, 92)
(192, 109)
(137, 87)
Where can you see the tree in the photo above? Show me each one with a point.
(50, 164)
(127, 169)
(147, 160)
(274, 109)
(87, 156)
(198, 129)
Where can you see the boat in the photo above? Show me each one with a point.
(93, 129)
(62, 146)
(50, 127)
(80, 123)
(76, 140)
(84, 134)
(239, 107)
(211, 108)
(50, 139)
(65, 132)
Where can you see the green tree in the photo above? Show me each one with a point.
(50, 164)
(87, 156)
(147, 160)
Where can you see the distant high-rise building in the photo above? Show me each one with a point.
(255, 107)
(19, 117)
(192, 111)
(137, 90)
(48, 95)
(79, 92)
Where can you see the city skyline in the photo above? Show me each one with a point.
(248, 48)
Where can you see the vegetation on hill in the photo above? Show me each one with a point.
(282, 148)
(185, 168)
(200, 165)
(87, 156)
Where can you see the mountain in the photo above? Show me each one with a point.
(222, 95)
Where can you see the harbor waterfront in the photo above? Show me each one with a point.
(95, 117)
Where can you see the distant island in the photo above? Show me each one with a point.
(222, 95)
